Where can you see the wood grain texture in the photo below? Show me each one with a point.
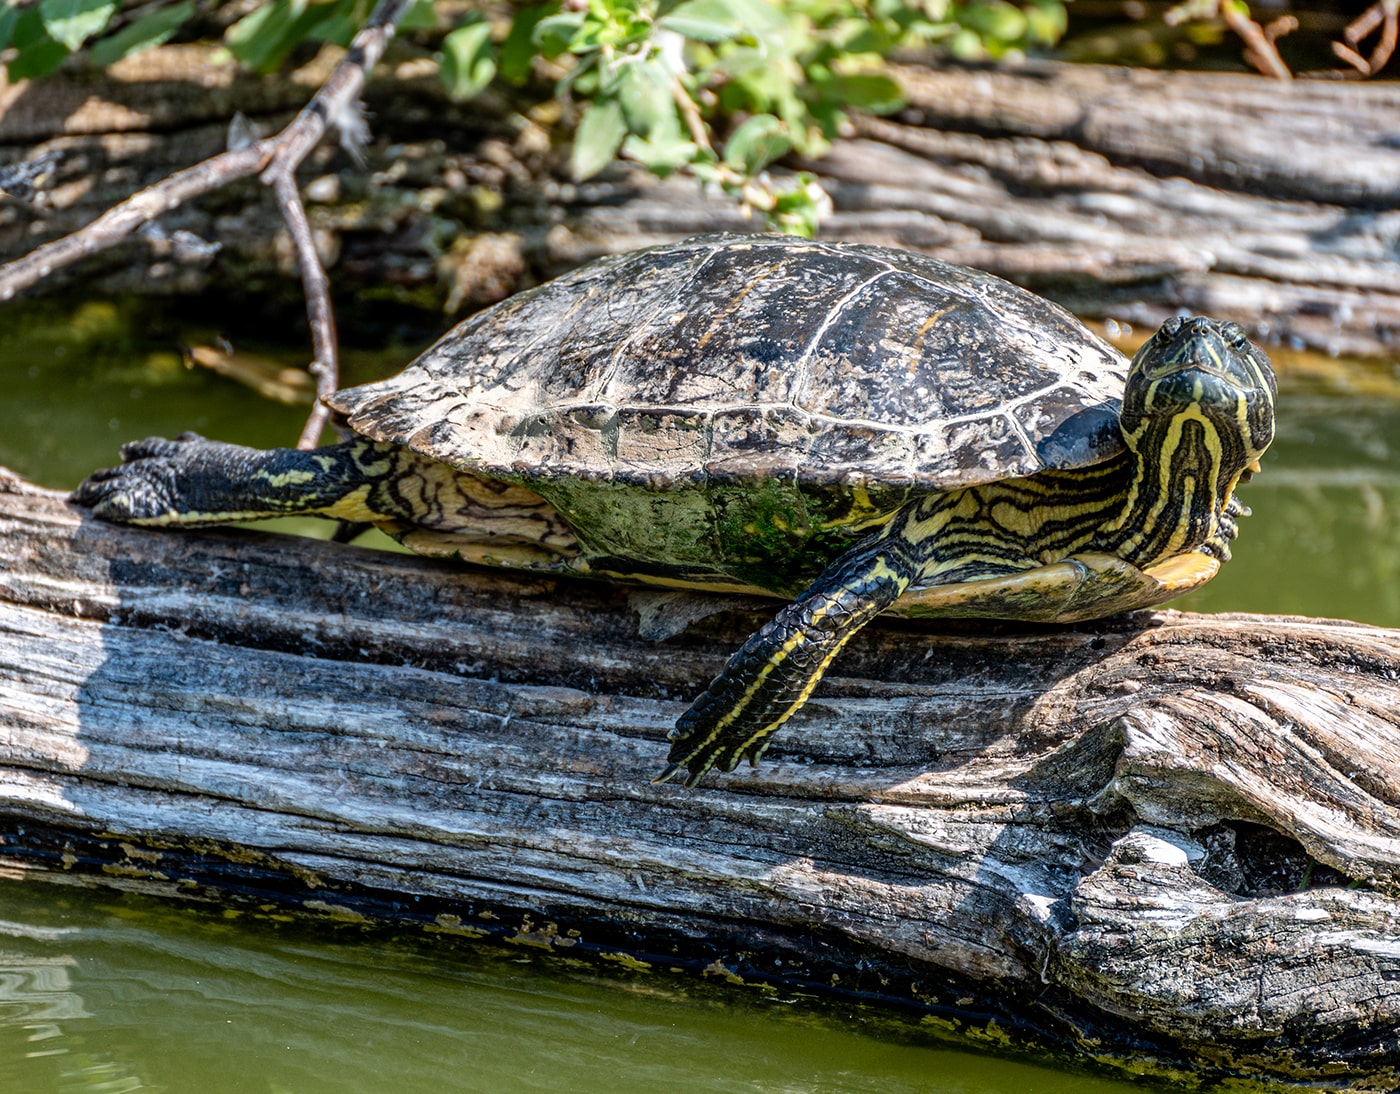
(1162, 841)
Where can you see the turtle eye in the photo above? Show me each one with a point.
(1171, 326)
(1234, 336)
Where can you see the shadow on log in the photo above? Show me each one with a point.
(1166, 842)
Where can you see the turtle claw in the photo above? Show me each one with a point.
(145, 488)
(114, 494)
(669, 772)
(158, 447)
(717, 755)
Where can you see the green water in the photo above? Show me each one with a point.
(100, 992)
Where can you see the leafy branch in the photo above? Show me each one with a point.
(718, 89)
(722, 88)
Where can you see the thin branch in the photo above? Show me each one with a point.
(318, 306)
(691, 113)
(1260, 50)
(135, 212)
(1383, 14)
(337, 96)
(336, 101)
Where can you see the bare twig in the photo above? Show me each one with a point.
(691, 113)
(335, 101)
(318, 306)
(337, 96)
(140, 209)
(1384, 14)
(277, 158)
(1260, 50)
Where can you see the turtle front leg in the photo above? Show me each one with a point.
(932, 541)
(192, 481)
(774, 672)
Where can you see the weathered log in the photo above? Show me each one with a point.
(1165, 841)
(1124, 194)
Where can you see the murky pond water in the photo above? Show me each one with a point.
(110, 993)
(115, 994)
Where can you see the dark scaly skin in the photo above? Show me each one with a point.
(776, 669)
(192, 481)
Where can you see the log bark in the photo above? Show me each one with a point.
(1124, 194)
(1164, 842)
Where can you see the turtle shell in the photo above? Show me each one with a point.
(739, 358)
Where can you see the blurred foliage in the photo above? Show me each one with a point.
(716, 88)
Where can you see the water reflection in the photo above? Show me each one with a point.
(42, 1046)
(114, 993)
(35, 992)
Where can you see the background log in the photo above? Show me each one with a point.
(1164, 841)
(1124, 194)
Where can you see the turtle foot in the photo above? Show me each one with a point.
(147, 487)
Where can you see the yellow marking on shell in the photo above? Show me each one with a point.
(729, 309)
(916, 347)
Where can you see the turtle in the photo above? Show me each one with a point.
(853, 428)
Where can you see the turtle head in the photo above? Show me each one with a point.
(1198, 412)
(1201, 369)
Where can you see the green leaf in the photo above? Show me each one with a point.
(703, 21)
(341, 26)
(262, 39)
(798, 210)
(517, 54)
(419, 17)
(756, 144)
(73, 22)
(994, 21)
(468, 63)
(644, 89)
(8, 17)
(1046, 21)
(150, 30)
(36, 54)
(661, 153)
(758, 17)
(555, 34)
(866, 91)
(259, 35)
(599, 135)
